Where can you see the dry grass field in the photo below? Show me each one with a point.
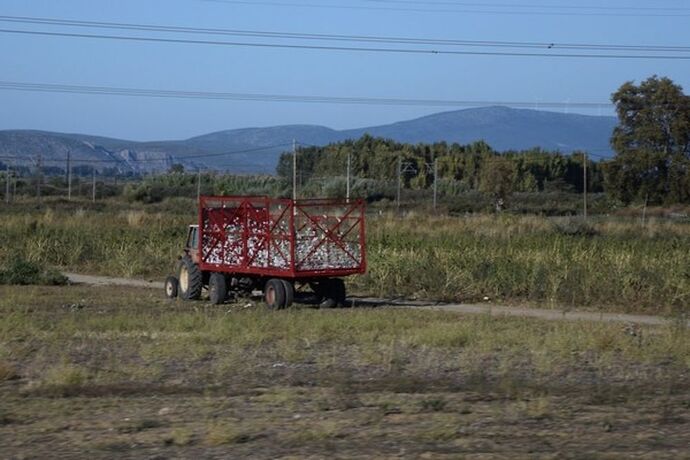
(123, 372)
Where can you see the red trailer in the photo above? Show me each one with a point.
(276, 245)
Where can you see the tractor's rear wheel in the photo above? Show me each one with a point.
(217, 288)
(189, 278)
(171, 285)
(274, 294)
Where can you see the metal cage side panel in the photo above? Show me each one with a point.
(262, 236)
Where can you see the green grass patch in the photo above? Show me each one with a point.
(137, 339)
(603, 264)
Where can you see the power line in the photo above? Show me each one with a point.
(533, 5)
(485, 9)
(208, 95)
(343, 48)
(338, 37)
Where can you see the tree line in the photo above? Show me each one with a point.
(652, 161)
(471, 167)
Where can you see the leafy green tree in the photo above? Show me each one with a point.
(460, 167)
(497, 179)
(652, 143)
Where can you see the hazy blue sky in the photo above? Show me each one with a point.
(38, 59)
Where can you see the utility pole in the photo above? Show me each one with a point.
(93, 184)
(7, 185)
(69, 176)
(349, 162)
(584, 187)
(294, 170)
(399, 182)
(39, 175)
(14, 182)
(435, 181)
(198, 186)
(403, 168)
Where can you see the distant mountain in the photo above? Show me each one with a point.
(503, 129)
(257, 149)
(27, 148)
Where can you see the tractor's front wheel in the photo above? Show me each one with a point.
(171, 285)
(189, 279)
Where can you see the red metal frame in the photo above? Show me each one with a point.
(282, 238)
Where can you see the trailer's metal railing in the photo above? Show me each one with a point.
(281, 237)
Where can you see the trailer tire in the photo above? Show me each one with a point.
(274, 294)
(217, 288)
(289, 292)
(171, 286)
(331, 292)
(189, 278)
(337, 292)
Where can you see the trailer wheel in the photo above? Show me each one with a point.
(274, 294)
(337, 292)
(289, 292)
(190, 279)
(331, 291)
(217, 288)
(171, 285)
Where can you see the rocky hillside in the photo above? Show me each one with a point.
(252, 150)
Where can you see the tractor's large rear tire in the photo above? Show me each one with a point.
(274, 294)
(189, 279)
(217, 288)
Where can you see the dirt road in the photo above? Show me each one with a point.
(481, 309)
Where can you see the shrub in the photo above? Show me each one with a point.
(52, 277)
(575, 227)
(22, 272)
